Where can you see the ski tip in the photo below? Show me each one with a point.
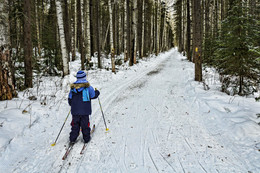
(53, 144)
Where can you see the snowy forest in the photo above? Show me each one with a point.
(178, 85)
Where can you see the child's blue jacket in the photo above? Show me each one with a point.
(80, 98)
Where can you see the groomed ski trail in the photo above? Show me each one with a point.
(154, 127)
(108, 97)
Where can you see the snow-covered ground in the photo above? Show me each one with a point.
(159, 120)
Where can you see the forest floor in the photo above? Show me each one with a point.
(159, 120)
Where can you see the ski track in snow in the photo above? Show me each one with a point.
(154, 127)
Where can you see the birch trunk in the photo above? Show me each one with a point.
(83, 27)
(120, 30)
(155, 27)
(73, 30)
(105, 37)
(76, 27)
(183, 26)
(7, 86)
(128, 32)
(164, 33)
(143, 22)
(158, 26)
(152, 36)
(62, 39)
(125, 32)
(37, 28)
(135, 18)
(88, 48)
(112, 49)
(80, 35)
(98, 34)
(67, 27)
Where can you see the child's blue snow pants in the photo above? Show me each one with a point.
(80, 121)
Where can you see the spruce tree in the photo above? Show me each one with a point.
(236, 56)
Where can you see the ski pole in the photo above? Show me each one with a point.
(102, 114)
(61, 129)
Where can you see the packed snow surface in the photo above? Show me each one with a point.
(159, 120)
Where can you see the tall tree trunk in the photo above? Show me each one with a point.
(64, 53)
(180, 28)
(112, 49)
(98, 34)
(152, 34)
(183, 25)
(80, 35)
(143, 28)
(126, 33)
(27, 44)
(222, 10)
(188, 34)
(129, 32)
(7, 86)
(115, 26)
(38, 28)
(67, 27)
(215, 31)
(158, 27)
(120, 29)
(135, 18)
(88, 48)
(164, 32)
(197, 40)
(73, 29)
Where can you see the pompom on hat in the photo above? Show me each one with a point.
(81, 77)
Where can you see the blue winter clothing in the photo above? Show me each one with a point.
(81, 77)
(80, 121)
(80, 98)
(80, 101)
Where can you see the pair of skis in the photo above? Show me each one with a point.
(68, 150)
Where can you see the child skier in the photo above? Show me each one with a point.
(79, 99)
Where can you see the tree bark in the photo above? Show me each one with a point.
(7, 86)
(188, 35)
(158, 26)
(112, 49)
(73, 29)
(143, 27)
(135, 18)
(64, 53)
(126, 33)
(27, 44)
(197, 40)
(88, 48)
(215, 31)
(120, 29)
(80, 35)
(38, 28)
(180, 49)
(67, 27)
(98, 34)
